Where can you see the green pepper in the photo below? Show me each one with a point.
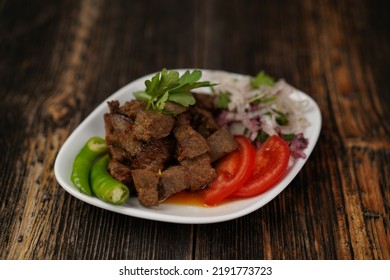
(82, 164)
(106, 187)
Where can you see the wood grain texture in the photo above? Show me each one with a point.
(60, 59)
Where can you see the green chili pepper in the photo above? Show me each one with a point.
(104, 186)
(82, 164)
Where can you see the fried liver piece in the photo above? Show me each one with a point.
(150, 124)
(221, 143)
(201, 173)
(173, 180)
(152, 155)
(131, 108)
(146, 185)
(190, 143)
(120, 172)
(119, 136)
(203, 121)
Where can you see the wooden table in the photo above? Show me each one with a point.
(60, 59)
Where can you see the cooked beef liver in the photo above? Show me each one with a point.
(174, 108)
(120, 172)
(183, 119)
(117, 123)
(150, 124)
(173, 180)
(201, 173)
(126, 141)
(119, 133)
(221, 143)
(205, 101)
(203, 121)
(190, 143)
(146, 185)
(119, 154)
(129, 143)
(131, 108)
(152, 155)
(113, 106)
(193, 174)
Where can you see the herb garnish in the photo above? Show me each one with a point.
(223, 100)
(281, 118)
(170, 86)
(262, 79)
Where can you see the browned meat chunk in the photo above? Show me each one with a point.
(183, 119)
(175, 108)
(205, 101)
(131, 108)
(119, 154)
(203, 121)
(150, 124)
(201, 173)
(152, 155)
(119, 133)
(126, 141)
(146, 185)
(173, 180)
(221, 143)
(113, 106)
(117, 123)
(190, 143)
(120, 172)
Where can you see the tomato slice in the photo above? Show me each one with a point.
(270, 165)
(233, 171)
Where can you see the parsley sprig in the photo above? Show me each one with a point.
(262, 79)
(168, 85)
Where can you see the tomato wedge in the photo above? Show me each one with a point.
(232, 172)
(270, 165)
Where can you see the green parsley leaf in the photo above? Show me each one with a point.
(288, 137)
(142, 96)
(223, 100)
(170, 86)
(262, 79)
(184, 98)
(160, 104)
(168, 80)
(190, 78)
(262, 136)
(281, 118)
(258, 100)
